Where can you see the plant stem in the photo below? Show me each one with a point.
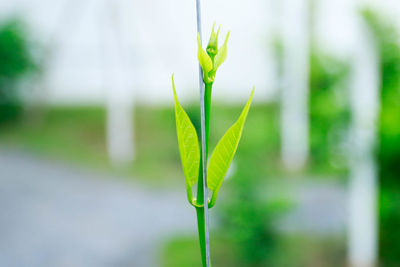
(202, 234)
(200, 193)
(207, 101)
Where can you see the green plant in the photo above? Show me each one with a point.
(210, 60)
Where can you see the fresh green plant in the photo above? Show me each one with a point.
(210, 60)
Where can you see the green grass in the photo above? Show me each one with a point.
(184, 251)
(292, 251)
(78, 135)
(73, 134)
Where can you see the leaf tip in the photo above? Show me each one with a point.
(173, 87)
(227, 36)
(198, 40)
(251, 95)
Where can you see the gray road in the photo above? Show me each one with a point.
(53, 215)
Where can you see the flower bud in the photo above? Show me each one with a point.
(212, 47)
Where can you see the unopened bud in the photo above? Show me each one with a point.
(212, 47)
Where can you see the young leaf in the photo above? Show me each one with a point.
(204, 59)
(212, 47)
(222, 54)
(188, 145)
(223, 153)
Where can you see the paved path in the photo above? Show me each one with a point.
(320, 206)
(52, 215)
(55, 216)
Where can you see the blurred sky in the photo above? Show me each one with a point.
(147, 41)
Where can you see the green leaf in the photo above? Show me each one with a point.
(223, 153)
(188, 145)
(222, 54)
(204, 59)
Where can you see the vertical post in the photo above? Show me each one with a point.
(294, 99)
(119, 107)
(362, 225)
(203, 154)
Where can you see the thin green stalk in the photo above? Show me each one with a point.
(200, 192)
(202, 234)
(207, 101)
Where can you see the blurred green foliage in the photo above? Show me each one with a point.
(15, 61)
(388, 152)
(289, 251)
(329, 110)
(245, 216)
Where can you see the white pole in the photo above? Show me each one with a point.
(294, 99)
(203, 143)
(119, 103)
(362, 225)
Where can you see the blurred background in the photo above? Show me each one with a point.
(90, 173)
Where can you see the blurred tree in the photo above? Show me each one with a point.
(329, 107)
(388, 152)
(246, 220)
(15, 61)
(329, 110)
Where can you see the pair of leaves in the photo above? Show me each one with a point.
(221, 157)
